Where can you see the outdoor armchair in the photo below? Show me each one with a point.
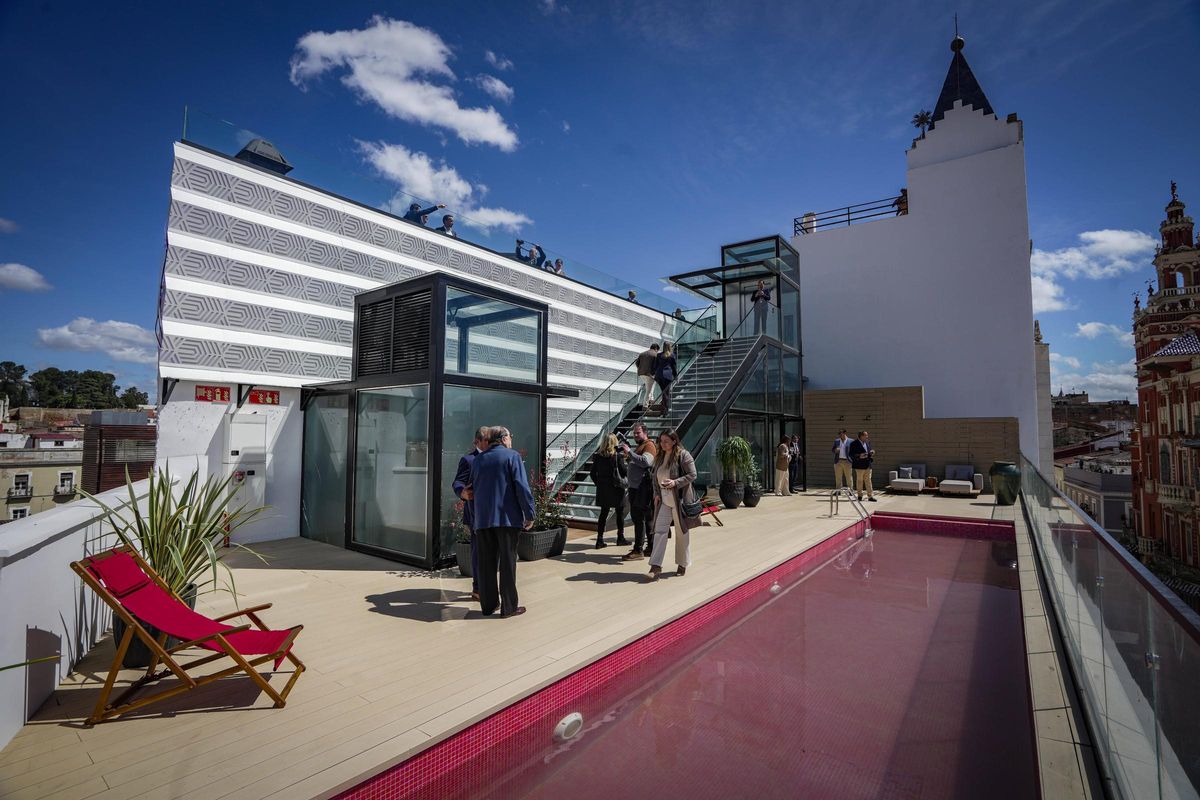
(961, 479)
(907, 478)
(136, 594)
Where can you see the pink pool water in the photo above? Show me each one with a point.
(887, 667)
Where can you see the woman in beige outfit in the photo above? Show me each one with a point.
(674, 472)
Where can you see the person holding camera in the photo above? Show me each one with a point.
(639, 468)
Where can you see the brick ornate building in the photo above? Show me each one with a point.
(1166, 441)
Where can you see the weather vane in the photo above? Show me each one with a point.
(1174, 196)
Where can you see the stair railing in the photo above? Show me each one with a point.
(690, 341)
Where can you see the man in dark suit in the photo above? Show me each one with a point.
(503, 508)
(462, 488)
(862, 455)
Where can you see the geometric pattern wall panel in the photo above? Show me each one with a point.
(234, 357)
(559, 368)
(234, 315)
(255, 278)
(233, 189)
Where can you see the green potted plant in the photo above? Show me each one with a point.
(548, 536)
(178, 533)
(735, 457)
(462, 538)
(754, 490)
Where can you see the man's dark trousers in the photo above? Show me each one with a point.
(641, 508)
(498, 553)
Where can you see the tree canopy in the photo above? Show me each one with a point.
(56, 388)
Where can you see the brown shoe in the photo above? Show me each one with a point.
(516, 612)
(653, 576)
(633, 555)
(681, 570)
(475, 596)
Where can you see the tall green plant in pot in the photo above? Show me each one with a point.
(178, 533)
(736, 459)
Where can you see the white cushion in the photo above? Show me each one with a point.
(956, 487)
(907, 484)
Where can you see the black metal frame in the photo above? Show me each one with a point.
(846, 215)
(436, 378)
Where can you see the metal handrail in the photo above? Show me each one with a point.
(570, 467)
(835, 506)
(847, 215)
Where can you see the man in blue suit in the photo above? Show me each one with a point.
(503, 508)
(462, 488)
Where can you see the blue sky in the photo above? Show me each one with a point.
(636, 137)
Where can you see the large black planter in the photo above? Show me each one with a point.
(534, 545)
(138, 655)
(732, 493)
(1006, 482)
(462, 554)
(751, 496)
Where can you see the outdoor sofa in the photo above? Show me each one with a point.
(907, 478)
(961, 480)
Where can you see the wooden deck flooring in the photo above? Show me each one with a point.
(397, 660)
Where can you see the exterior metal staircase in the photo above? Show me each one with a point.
(701, 396)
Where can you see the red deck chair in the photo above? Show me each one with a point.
(136, 594)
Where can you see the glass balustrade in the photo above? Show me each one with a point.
(1134, 648)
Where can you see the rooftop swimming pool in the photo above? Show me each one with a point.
(884, 666)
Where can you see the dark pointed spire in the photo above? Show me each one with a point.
(960, 85)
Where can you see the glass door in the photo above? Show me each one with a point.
(323, 471)
(391, 470)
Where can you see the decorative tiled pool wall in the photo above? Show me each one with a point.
(966, 527)
(495, 749)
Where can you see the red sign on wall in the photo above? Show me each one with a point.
(264, 397)
(212, 394)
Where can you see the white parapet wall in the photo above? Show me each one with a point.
(45, 610)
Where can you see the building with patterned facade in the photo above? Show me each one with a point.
(1166, 441)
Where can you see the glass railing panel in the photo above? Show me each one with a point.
(345, 170)
(759, 321)
(1133, 647)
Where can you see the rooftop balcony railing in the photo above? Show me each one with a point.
(1132, 645)
(349, 181)
(20, 493)
(813, 222)
(1173, 493)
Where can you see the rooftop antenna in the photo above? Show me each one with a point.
(956, 24)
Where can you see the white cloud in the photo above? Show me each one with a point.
(499, 62)
(1047, 295)
(1094, 330)
(1100, 254)
(1107, 380)
(417, 175)
(495, 87)
(8, 226)
(548, 6)
(392, 63)
(566, 126)
(21, 278)
(123, 341)
(1069, 361)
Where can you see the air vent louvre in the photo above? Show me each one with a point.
(374, 343)
(410, 332)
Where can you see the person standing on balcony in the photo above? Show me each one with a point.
(783, 459)
(762, 302)
(640, 469)
(862, 455)
(646, 362)
(794, 462)
(421, 215)
(901, 203)
(610, 479)
(841, 462)
(558, 267)
(462, 488)
(448, 226)
(666, 370)
(674, 472)
(503, 508)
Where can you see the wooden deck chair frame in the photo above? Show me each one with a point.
(161, 654)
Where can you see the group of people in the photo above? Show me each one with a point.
(421, 217)
(493, 484)
(853, 457)
(536, 257)
(654, 479)
(655, 366)
(788, 457)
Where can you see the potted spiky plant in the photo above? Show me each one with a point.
(548, 536)
(462, 539)
(735, 456)
(179, 534)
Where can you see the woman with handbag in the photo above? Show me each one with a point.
(609, 476)
(675, 505)
(666, 370)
